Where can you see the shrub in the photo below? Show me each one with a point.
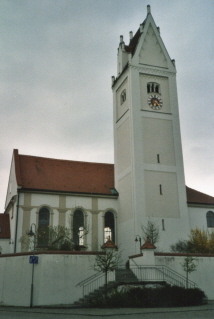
(167, 296)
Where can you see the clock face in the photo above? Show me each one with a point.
(155, 102)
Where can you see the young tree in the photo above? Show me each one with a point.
(188, 266)
(108, 262)
(59, 238)
(151, 230)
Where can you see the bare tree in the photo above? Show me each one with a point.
(151, 230)
(107, 263)
(188, 266)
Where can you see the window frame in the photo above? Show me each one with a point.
(43, 227)
(78, 227)
(123, 96)
(109, 226)
(210, 219)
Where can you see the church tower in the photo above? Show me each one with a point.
(149, 174)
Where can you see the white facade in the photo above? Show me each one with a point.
(61, 209)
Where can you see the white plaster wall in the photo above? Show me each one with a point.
(5, 246)
(151, 53)
(123, 149)
(157, 135)
(19, 227)
(15, 281)
(78, 201)
(12, 184)
(55, 279)
(55, 217)
(44, 199)
(107, 203)
(122, 108)
(197, 216)
(100, 229)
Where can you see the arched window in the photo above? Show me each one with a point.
(109, 226)
(210, 219)
(43, 228)
(153, 87)
(78, 227)
(122, 97)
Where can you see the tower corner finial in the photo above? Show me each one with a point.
(173, 61)
(112, 79)
(148, 9)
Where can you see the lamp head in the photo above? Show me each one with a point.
(31, 233)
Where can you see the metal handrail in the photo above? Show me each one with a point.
(161, 272)
(81, 283)
(93, 282)
(179, 275)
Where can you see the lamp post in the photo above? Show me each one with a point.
(32, 260)
(136, 240)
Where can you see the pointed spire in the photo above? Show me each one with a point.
(148, 9)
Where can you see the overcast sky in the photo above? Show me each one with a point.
(57, 59)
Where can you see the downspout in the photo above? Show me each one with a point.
(17, 215)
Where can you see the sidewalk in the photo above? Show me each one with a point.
(103, 312)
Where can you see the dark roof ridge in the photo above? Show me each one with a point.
(64, 160)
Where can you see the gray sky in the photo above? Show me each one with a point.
(57, 59)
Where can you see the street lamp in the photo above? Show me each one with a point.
(136, 240)
(33, 260)
(32, 234)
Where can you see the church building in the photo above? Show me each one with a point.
(145, 183)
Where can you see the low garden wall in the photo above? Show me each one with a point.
(55, 278)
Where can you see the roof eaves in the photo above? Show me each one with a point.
(124, 69)
(68, 192)
(17, 167)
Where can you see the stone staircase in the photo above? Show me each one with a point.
(122, 277)
(125, 276)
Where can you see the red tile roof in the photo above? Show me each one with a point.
(4, 226)
(109, 244)
(196, 197)
(148, 244)
(39, 173)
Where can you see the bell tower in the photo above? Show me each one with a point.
(149, 174)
